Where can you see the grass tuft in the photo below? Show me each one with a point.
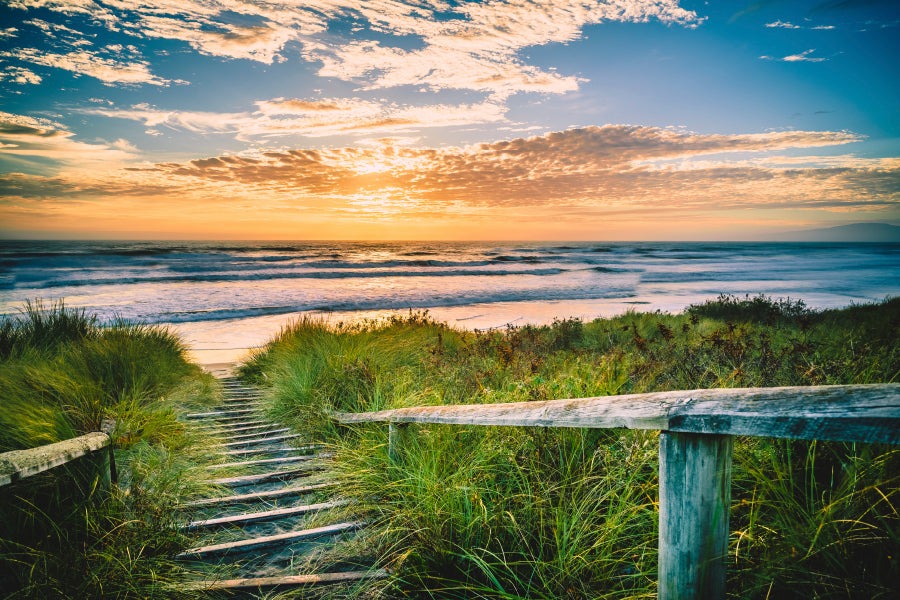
(480, 512)
(67, 532)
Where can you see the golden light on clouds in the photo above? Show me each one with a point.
(564, 182)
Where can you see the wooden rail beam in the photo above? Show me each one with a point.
(851, 413)
(19, 464)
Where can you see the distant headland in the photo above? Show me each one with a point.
(855, 232)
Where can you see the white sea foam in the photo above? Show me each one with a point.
(229, 294)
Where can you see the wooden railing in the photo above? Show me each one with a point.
(19, 464)
(695, 447)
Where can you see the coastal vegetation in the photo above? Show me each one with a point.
(511, 513)
(67, 532)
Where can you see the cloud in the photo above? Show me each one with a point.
(92, 64)
(311, 118)
(783, 25)
(802, 57)
(19, 75)
(466, 45)
(574, 180)
(27, 141)
(9, 32)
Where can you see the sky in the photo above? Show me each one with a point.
(433, 119)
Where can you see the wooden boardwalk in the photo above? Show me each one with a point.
(284, 510)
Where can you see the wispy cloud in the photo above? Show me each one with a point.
(25, 140)
(93, 64)
(466, 45)
(19, 75)
(311, 118)
(783, 25)
(567, 181)
(801, 57)
(610, 165)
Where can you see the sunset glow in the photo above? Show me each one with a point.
(503, 119)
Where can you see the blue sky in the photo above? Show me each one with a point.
(507, 119)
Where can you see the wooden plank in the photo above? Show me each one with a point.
(269, 461)
(238, 405)
(219, 413)
(282, 450)
(233, 426)
(694, 503)
(256, 496)
(285, 580)
(238, 401)
(861, 413)
(242, 480)
(262, 440)
(266, 515)
(19, 464)
(271, 540)
(256, 434)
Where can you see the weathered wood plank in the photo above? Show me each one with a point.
(220, 413)
(266, 515)
(270, 461)
(238, 405)
(261, 440)
(271, 540)
(269, 477)
(19, 464)
(227, 421)
(861, 413)
(256, 496)
(234, 426)
(256, 434)
(285, 580)
(694, 500)
(283, 450)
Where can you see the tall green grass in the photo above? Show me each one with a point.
(67, 533)
(531, 513)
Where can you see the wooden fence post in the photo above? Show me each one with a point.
(694, 501)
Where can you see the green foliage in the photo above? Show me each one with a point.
(519, 513)
(759, 309)
(67, 533)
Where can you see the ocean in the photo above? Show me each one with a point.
(226, 297)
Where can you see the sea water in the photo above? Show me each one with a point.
(224, 297)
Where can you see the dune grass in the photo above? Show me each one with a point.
(67, 533)
(483, 512)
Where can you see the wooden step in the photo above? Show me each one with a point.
(267, 515)
(269, 461)
(228, 421)
(219, 413)
(232, 426)
(262, 440)
(257, 496)
(286, 580)
(248, 436)
(255, 429)
(243, 480)
(283, 450)
(272, 540)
